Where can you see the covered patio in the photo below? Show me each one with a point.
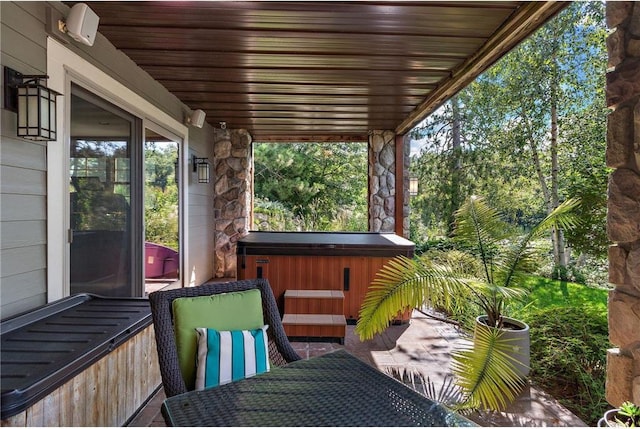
(278, 72)
(421, 348)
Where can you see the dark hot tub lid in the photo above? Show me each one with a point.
(325, 243)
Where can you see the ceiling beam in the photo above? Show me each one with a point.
(311, 138)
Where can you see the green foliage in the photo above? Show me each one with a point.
(628, 415)
(161, 209)
(161, 216)
(462, 308)
(322, 186)
(505, 259)
(546, 293)
(486, 371)
(272, 216)
(501, 259)
(568, 356)
(588, 180)
(504, 125)
(586, 269)
(569, 339)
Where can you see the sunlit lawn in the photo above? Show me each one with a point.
(569, 339)
(546, 293)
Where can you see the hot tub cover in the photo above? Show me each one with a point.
(325, 244)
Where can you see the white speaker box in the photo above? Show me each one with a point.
(197, 118)
(82, 24)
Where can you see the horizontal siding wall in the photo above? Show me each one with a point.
(23, 164)
(23, 171)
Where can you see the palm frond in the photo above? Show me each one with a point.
(507, 293)
(447, 392)
(518, 257)
(404, 283)
(486, 372)
(480, 226)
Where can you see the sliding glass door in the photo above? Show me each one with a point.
(105, 196)
(161, 210)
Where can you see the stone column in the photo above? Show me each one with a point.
(382, 181)
(623, 217)
(232, 196)
(406, 206)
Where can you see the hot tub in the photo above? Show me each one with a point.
(345, 261)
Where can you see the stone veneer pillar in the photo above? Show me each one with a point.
(382, 182)
(406, 197)
(232, 196)
(623, 217)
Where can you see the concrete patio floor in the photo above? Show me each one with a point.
(423, 345)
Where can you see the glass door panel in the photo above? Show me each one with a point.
(161, 211)
(102, 233)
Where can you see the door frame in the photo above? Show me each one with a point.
(182, 193)
(63, 67)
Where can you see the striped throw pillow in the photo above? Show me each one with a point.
(226, 356)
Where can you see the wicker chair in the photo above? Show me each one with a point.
(280, 350)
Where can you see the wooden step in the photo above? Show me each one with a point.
(315, 325)
(315, 319)
(313, 302)
(314, 293)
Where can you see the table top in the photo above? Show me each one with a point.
(335, 389)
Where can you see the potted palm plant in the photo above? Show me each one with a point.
(491, 372)
(628, 415)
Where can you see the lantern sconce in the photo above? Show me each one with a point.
(413, 186)
(201, 165)
(34, 103)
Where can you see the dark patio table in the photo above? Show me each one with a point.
(336, 389)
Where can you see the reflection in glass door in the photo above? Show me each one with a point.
(161, 211)
(102, 192)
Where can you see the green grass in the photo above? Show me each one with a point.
(569, 339)
(547, 293)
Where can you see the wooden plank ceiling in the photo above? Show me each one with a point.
(321, 71)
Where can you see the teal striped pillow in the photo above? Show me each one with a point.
(226, 356)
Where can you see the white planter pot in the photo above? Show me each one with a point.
(608, 420)
(520, 344)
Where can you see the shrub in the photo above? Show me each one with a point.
(568, 357)
(273, 216)
(435, 243)
(463, 308)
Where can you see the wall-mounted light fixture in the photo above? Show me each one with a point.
(201, 165)
(413, 186)
(34, 103)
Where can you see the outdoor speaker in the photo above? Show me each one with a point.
(82, 24)
(197, 118)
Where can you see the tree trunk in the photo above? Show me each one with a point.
(456, 162)
(557, 237)
(546, 194)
